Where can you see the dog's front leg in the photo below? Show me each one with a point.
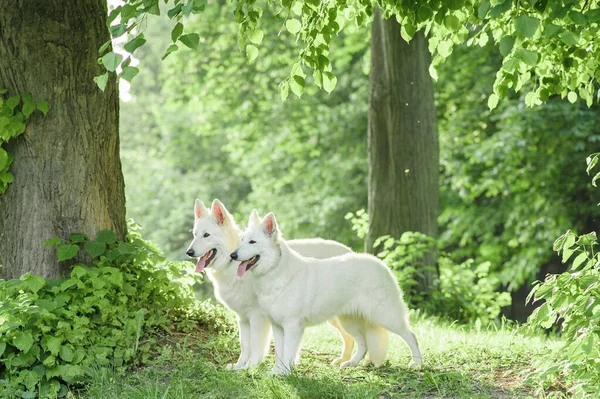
(279, 347)
(244, 330)
(260, 338)
(291, 346)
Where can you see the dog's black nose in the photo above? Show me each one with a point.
(234, 255)
(190, 252)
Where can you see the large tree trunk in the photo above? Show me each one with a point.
(67, 170)
(402, 139)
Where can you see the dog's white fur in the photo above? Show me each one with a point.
(295, 292)
(237, 293)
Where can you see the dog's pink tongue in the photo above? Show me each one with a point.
(201, 263)
(242, 268)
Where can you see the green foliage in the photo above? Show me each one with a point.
(108, 313)
(14, 111)
(571, 300)
(465, 292)
(511, 179)
(551, 40)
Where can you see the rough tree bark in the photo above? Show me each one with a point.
(402, 139)
(67, 169)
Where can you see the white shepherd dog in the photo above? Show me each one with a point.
(216, 235)
(295, 292)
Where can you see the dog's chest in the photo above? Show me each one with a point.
(237, 294)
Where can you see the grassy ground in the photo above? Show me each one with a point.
(460, 362)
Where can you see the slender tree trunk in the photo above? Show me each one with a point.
(66, 165)
(402, 139)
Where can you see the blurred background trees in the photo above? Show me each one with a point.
(206, 124)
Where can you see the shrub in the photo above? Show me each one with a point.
(466, 292)
(108, 313)
(571, 300)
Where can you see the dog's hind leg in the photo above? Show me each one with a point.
(244, 331)
(260, 338)
(395, 319)
(347, 341)
(355, 327)
(377, 343)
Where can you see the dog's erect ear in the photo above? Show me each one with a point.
(219, 211)
(199, 209)
(270, 224)
(254, 219)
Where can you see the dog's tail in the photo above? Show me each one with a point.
(377, 342)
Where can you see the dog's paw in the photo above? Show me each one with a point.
(367, 362)
(348, 363)
(230, 367)
(415, 363)
(235, 366)
(337, 361)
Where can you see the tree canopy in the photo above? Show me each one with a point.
(548, 47)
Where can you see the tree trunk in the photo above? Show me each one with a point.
(66, 165)
(402, 139)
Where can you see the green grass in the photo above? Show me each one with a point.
(459, 362)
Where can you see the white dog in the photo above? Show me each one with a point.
(216, 235)
(295, 292)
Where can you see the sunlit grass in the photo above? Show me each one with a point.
(460, 362)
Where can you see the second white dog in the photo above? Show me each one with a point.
(295, 292)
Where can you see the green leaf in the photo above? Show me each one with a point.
(23, 341)
(506, 45)
(256, 36)
(527, 26)
(293, 26)
(104, 46)
(77, 237)
(13, 101)
(451, 22)
(66, 251)
(111, 61)
(191, 40)
(528, 57)
(133, 44)
(2, 348)
(28, 109)
(42, 106)
(52, 242)
(577, 17)
(129, 73)
(329, 81)
(106, 236)
(251, 52)
(551, 30)
(591, 161)
(53, 344)
(101, 80)
(579, 259)
(66, 353)
(587, 239)
(407, 31)
(569, 38)
(176, 32)
(424, 13)
(297, 85)
(94, 248)
(35, 283)
(284, 90)
(483, 9)
(572, 97)
(170, 49)
(493, 101)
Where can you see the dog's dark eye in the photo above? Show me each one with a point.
(251, 242)
(206, 235)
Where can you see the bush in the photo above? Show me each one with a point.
(465, 292)
(108, 313)
(571, 301)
